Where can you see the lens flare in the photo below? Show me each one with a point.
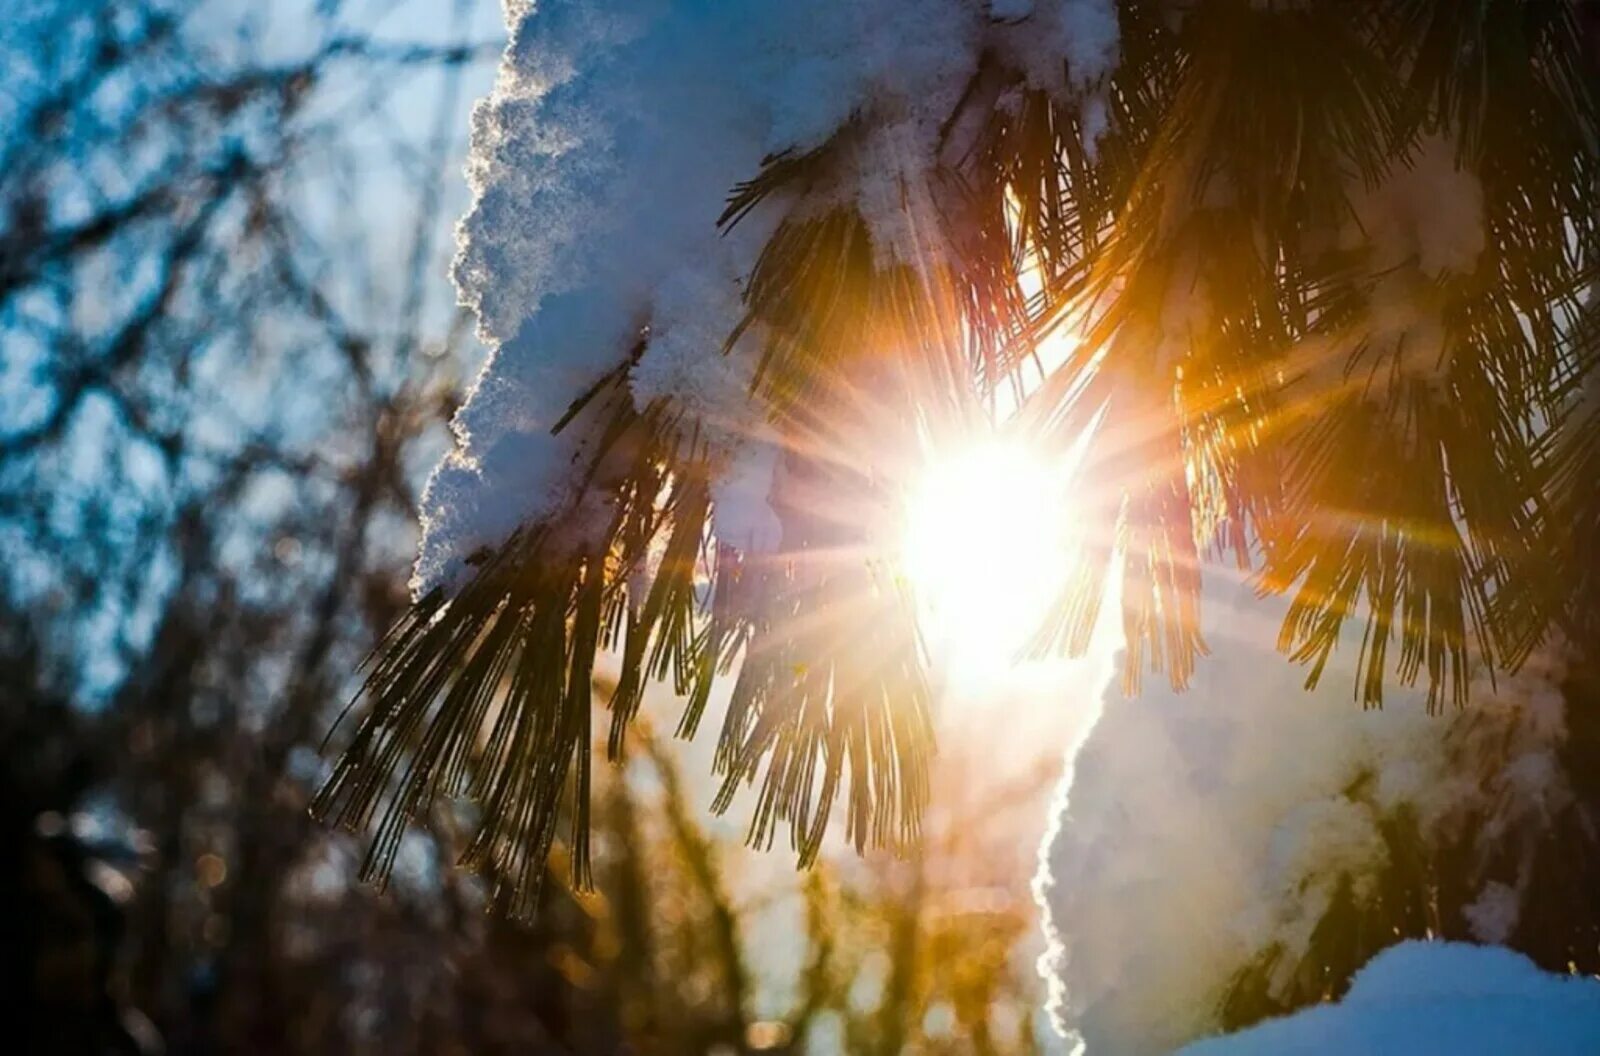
(986, 552)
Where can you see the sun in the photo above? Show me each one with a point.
(986, 549)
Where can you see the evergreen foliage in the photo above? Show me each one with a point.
(1323, 260)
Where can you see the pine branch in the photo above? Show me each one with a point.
(1262, 369)
(1244, 169)
(487, 693)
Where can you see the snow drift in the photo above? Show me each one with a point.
(1427, 998)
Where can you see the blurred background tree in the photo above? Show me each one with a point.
(228, 354)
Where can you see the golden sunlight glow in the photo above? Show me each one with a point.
(986, 552)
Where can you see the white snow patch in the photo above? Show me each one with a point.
(1436, 999)
(1063, 47)
(1198, 829)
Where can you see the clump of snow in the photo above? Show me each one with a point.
(1067, 49)
(1196, 830)
(1427, 211)
(1493, 915)
(1310, 851)
(1061, 48)
(1424, 998)
(599, 166)
(683, 360)
(1420, 229)
(1421, 225)
(682, 364)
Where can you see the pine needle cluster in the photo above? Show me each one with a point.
(1389, 425)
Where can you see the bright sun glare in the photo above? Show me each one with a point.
(986, 551)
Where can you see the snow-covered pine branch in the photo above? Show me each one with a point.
(734, 262)
(650, 379)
